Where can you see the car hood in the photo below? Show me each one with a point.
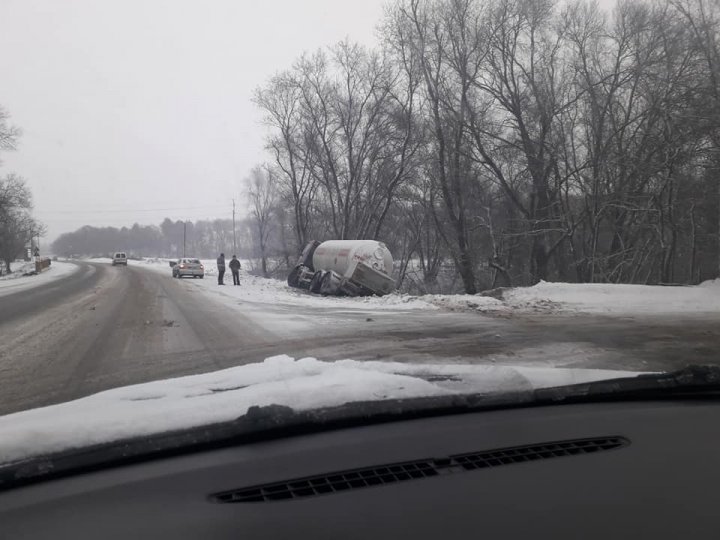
(306, 384)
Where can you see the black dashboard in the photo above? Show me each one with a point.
(609, 470)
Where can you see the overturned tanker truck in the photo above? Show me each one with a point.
(344, 268)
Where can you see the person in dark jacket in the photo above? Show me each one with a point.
(235, 269)
(221, 268)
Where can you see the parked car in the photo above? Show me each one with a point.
(119, 258)
(188, 267)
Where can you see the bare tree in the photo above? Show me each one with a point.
(17, 227)
(448, 52)
(280, 100)
(524, 139)
(9, 134)
(703, 17)
(262, 194)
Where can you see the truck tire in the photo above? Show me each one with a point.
(293, 277)
(329, 284)
(316, 282)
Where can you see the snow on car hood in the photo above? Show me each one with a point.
(220, 396)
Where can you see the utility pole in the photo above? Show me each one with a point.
(234, 239)
(184, 236)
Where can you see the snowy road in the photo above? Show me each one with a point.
(104, 327)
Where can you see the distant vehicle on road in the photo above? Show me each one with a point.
(187, 267)
(119, 258)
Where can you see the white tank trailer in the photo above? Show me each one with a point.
(344, 268)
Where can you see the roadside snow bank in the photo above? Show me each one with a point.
(19, 268)
(464, 302)
(197, 400)
(17, 282)
(273, 291)
(541, 298)
(613, 298)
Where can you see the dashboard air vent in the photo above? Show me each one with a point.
(414, 470)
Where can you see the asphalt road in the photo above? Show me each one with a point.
(104, 327)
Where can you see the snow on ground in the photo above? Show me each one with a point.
(17, 282)
(464, 302)
(19, 268)
(274, 291)
(541, 298)
(618, 299)
(185, 402)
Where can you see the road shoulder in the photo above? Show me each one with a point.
(58, 270)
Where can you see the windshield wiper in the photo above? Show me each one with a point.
(276, 421)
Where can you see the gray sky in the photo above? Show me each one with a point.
(132, 107)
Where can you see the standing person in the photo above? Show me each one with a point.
(221, 268)
(235, 269)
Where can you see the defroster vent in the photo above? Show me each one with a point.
(414, 470)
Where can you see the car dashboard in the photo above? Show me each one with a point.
(635, 469)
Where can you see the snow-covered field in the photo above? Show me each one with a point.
(17, 282)
(541, 298)
(304, 384)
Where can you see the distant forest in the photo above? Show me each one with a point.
(205, 239)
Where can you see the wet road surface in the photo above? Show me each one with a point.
(104, 327)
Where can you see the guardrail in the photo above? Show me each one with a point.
(42, 264)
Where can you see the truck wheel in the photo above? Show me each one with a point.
(293, 277)
(316, 282)
(327, 287)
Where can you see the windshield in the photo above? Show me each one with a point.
(328, 203)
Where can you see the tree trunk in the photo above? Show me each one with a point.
(465, 267)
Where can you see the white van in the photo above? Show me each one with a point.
(119, 258)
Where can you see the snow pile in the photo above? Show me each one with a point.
(220, 396)
(464, 302)
(18, 270)
(616, 299)
(17, 282)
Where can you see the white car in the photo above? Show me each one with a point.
(188, 267)
(119, 258)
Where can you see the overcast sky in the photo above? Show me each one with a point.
(133, 110)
